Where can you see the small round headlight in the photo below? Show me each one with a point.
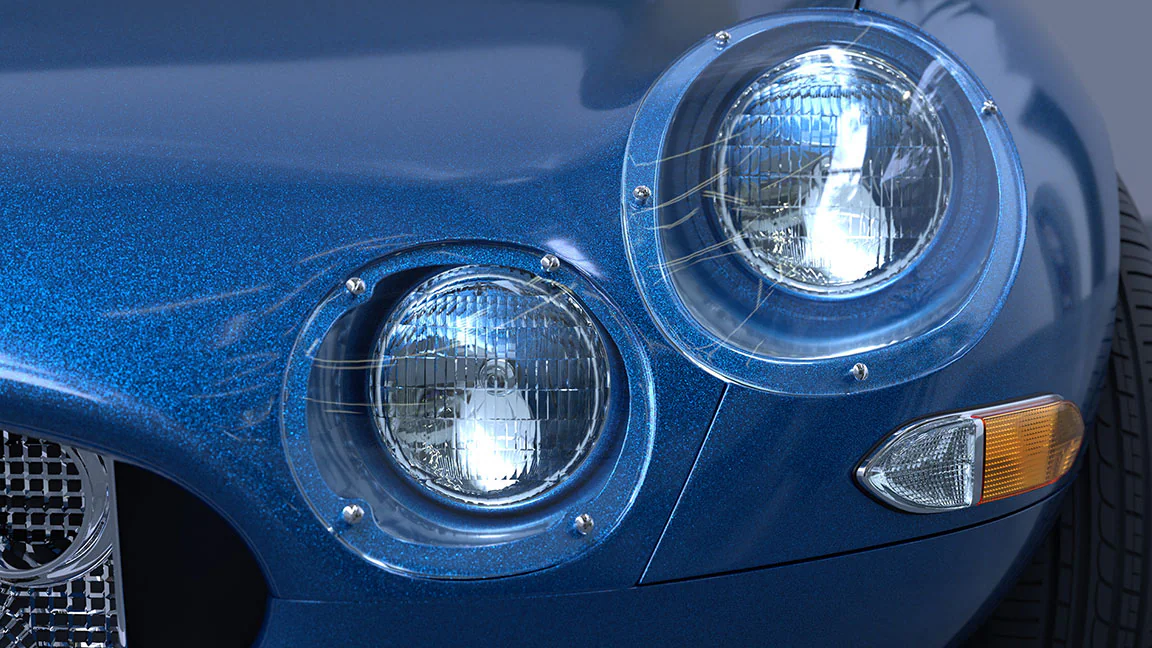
(491, 384)
(832, 172)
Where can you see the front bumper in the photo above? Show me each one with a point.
(927, 592)
(156, 322)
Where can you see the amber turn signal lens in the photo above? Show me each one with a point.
(1029, 445)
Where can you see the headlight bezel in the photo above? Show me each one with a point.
(744, 330)
(338, 459)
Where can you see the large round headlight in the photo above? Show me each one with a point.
(832, 172)
(821, 189)
(491, 385)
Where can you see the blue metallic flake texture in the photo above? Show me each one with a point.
(1051, 336)
(737, 323)
(184, 186)
(339, 459)
(932, 591)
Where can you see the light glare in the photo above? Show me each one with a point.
(492, 384)
(832, 172)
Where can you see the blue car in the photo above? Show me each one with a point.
(572, 322)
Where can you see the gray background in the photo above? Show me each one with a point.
(1109, 46)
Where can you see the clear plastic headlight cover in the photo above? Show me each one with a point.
(832, 172)
(933, 466)
(822, 189)
(491, 384)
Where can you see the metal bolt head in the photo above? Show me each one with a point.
(860, 371)
(990, 107)
(356, 286)
(721, 38)
(550, 262)
(641, 194)
(583, 524)
(352, 513)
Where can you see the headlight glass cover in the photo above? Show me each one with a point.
(955, 461)
(453, 421)
(491, 384)
(832, 172)
(826, 188)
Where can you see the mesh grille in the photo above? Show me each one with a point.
(42, 503)
(43, 493)
(80, 613)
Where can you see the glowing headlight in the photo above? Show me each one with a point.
(832, 172)
(823, 188)
(492, 384)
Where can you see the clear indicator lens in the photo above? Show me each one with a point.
(934, 466)
(832, 172)
(492, 384)
(960, 460)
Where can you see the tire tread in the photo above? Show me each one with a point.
(1088, 584)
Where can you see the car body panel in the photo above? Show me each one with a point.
(183, 187)
(870, 598)
(773, 473)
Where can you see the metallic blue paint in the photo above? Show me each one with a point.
(1051, 336)
(184, 186)
(923, 593)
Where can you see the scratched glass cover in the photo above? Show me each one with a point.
(473, 401)
(832, 172)
(810, 218)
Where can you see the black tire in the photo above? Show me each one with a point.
(1089, 584)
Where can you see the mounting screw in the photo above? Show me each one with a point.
(990, 107)
(860, 371)
(550, 262)
(721, 38)
(641, 194)
(583, 524)
(352, 514)
(356, 286)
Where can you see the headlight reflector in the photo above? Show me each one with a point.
(832, 172)
(491, 384)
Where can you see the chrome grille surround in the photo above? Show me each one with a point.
(59, 565)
